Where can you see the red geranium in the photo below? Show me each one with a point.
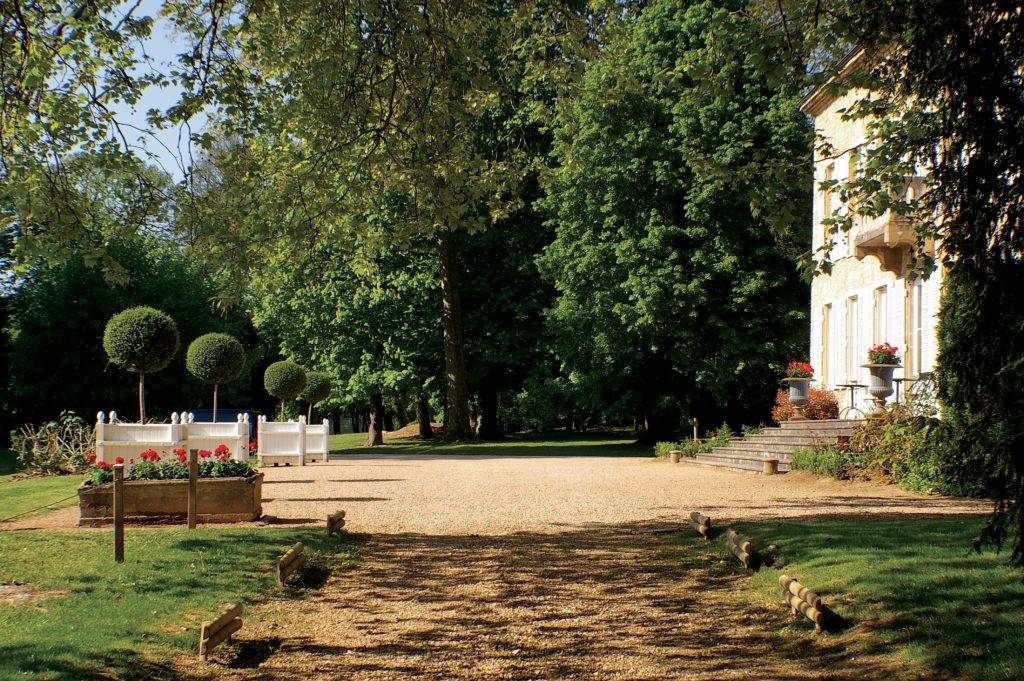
(884, 354)
(180, 453)
(118, 459)
(205, 453)
(90, 457)
(223, 452)
(252, 444)
(799, 370)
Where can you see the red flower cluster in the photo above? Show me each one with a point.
(90, 457)
(182, 456)
(205, 453)
(150, 455)
(103, 465)
(799, 370)
(252, 445)
(222, 452)
(118, 459)
(884, 354)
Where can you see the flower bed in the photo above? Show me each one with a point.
(156, 488)
(218, 500)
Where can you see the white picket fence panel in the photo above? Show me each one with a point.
(291, 442)
(316, 441)
(208, 435)
(128, 440)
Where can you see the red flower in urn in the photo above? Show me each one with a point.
(884, 354)
(799, 370)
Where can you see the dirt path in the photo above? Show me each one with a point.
(618, 602)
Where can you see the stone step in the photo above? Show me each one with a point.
(755, 464)
(828, 424)
(765, 451)
(791, 440)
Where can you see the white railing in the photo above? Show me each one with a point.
(128, 440)
(291, 442)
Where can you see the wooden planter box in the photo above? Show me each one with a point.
(220, 500)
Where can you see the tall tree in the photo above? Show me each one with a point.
(373, 325)
(680, 185)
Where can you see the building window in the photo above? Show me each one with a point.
(851, 339)
(879, 310)
(826, 198)
(912, 330)
(826, 344)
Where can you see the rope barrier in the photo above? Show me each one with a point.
(18, 515)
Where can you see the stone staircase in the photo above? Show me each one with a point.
(749, 453)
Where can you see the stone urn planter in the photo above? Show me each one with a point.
(219, 500)
(880, 385)
(799, 389)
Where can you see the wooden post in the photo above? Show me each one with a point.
(119, 513)
(216, 631)
(701, 523)
(193, 486)
(771, 466)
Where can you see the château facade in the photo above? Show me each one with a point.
(868, 298)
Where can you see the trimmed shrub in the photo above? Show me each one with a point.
(285, 380)
(821, 405)
(215, 358)
(141, 339)
(318, 387)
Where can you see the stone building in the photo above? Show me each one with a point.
(868, 297)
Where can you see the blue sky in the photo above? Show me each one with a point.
(170, 146)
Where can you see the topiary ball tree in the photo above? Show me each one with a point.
(318, 389)
(215, 358)
(285, 380)
(143, 340)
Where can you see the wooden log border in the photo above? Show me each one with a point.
(741, 547)
(288, 564)
(335, 522)
(803, 601)
(220, 629)
(701, 523)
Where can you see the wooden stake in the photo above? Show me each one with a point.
(193, 486)
(119, 513)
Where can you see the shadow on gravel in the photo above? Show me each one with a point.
(622, 601)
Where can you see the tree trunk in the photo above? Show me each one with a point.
(389, 422)
(400, 413)
(456, 426)
(374, 434)
(423, 416)
(214, 403)
(355, 423)
(309, 413)
(142, 397)
(489, 426)
(282, 410)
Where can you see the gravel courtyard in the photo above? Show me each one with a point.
(449, 494)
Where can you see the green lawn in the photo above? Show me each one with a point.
(910, 586)
(19, 496)
(106, 619)
(548, 444)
